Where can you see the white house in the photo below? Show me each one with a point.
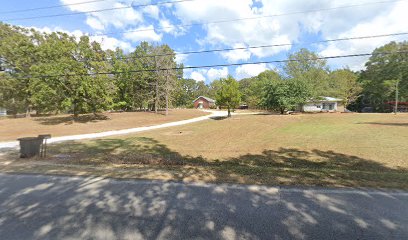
(325, 104)
(3, 111)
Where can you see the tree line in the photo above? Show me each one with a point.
(306, 77)
(58, 73)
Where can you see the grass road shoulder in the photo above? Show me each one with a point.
(341, 150)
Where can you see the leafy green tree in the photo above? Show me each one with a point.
(123, 98)
(186, 92)
(52, 93)
(9, 94)
(251, 88)
(214, 87)
(285, 95)
(344, 85)
(385, 66)
(228, 94)
(305, 66)
(98, 88)
(18, 52)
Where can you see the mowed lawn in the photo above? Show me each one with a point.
(61, 125)
(351, 150)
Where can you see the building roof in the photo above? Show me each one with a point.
(326, 99)
(206, 98)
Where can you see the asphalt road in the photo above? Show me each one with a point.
(49, 207)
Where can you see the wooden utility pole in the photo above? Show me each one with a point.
(396, 94)
(167, 92)
(396, 97)
(156, 100)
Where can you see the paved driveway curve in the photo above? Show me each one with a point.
(49, 207)
(214, 114)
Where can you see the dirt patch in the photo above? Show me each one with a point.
(63, 125)
(178, 133)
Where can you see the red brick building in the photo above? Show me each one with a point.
(402, 106)
(204, 102)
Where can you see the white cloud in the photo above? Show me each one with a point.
(214, 73)
(152, 11)
(246, 71)
(138, 34)
(240, 33)
(112, 43)
(381, 24)
(119, 18)
(166, 26)
(358, 20)
(106, 42)
(199, 77)
(95, 23)
(181, 58)
(236, 55)
(207, 74)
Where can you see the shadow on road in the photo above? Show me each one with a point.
(93, 208)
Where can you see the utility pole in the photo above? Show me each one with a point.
(167, 92)
(156, 100)
(396, 96)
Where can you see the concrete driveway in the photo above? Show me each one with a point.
(214, 114)
(49, 207)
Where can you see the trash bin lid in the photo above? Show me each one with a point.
(27, 139)
(44, 136)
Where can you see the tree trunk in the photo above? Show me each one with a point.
(156, 100)
(282, 111)
(75, 112)
(167, 103)
(229, 112)
(28, 112)
(167, 93)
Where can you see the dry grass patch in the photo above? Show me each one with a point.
(61, 125)
(347, 150)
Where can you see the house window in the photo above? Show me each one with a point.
(318, 106)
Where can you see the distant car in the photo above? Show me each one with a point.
(367, 110)
(243, 106)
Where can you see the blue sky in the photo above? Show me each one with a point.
(371, 18)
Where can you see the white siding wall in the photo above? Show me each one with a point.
(312, 107)
(318, 107)
(3, 111)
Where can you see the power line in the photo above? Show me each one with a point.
(243, 48)
(256, 47)
(99, 10)
(49, 7)
(249, 47)
(199, 24)
(217, 65)
(247, 18)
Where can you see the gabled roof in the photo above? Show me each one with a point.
(326, 99)
(206, 98)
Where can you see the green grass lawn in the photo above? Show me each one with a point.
(354, 150)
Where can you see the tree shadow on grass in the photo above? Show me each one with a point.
(218, 118)
(287, 166)
(386, 124)
(55, 120)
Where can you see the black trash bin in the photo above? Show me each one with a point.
(30, 146)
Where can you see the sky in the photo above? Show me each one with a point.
(191, 25)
